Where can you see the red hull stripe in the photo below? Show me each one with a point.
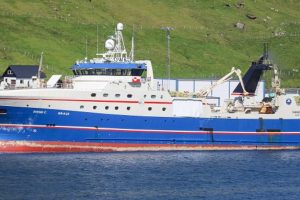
(249, 94)
(87, 100)
(144, 130)
(48, 147)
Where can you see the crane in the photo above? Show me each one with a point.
(205, 91)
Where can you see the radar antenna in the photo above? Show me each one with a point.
(116, 50)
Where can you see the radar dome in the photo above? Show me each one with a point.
(110, 44)
(120, 27)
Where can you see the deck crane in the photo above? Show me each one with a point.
(205, 91)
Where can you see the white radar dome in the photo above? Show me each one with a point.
(110, 44)
(120, 27)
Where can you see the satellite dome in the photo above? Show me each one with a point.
(120, 27)
(110, 44)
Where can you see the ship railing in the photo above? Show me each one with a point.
(292, 91)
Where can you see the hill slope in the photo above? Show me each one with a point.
(204, 43)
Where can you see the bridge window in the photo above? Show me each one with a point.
(108, 72)
(91, 72)
(100, 71)
(84, 72)
(137, 72)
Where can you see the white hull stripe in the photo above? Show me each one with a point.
(142, 130)
(88, 100)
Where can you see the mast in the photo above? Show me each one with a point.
(168, 30)
(40, 66)
(132, 45)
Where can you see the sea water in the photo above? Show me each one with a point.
(152, 175)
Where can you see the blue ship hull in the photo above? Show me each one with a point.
(47, 130)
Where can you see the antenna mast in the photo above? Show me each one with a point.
(97, 39)
(132, 44)
(85, 47)
(40, 66)
(168, 30)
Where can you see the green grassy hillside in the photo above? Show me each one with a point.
(204, 42)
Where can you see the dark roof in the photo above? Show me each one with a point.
(25, 71)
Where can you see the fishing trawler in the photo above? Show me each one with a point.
(113, 104)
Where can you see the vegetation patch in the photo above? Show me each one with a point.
(204, 43)
(297, 99)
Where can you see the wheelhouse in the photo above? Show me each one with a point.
(108, 69)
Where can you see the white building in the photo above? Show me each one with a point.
(21, 76)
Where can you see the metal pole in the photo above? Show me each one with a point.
(168, 35)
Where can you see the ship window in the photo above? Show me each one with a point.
(84, 72)
(106, 107)
(21, 81)
(128, 108)
(77, 72)
(145, 96)
(81, 107)
(93, 94)
(163, 109)
(105, 95)
(125, 72)
(100, 71)
(153, 96)
(116, 108)
(117, 95)
(161, 96)
(108, 72)
(149, 108)
(92, 72)
(129, 95)
(94, 107)
(3, 111)
(137, 72)
(117, 72)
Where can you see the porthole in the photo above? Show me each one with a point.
(105, 95)
(129, 95)
(49, 106)
(93, 94)
(161, 96)
(81, 107)
(145, 96)
(117, 95)
(128, 108)
(153, 96)
(164, 109)
(94, 107)
(149, 108)
(106, 107)
(117, 108)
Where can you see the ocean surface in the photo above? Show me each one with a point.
(230, 175)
